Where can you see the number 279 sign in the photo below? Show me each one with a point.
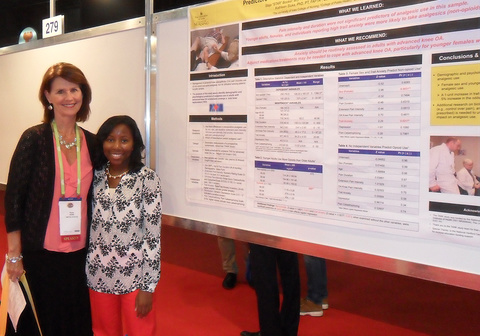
(52, 26)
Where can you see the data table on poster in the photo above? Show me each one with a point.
(379, 180)
(380, 104)
(289, 183)
(289, 115)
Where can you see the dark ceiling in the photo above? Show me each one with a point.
(15, 15)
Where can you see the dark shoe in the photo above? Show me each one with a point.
(230, 281)
(249, 333)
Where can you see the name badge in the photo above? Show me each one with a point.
(70, 211)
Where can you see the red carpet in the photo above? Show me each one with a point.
(190, 300)
(363, 301)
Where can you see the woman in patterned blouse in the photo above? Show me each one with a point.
(123, 262)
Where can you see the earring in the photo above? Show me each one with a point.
(50, 106)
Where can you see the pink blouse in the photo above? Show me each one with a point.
(53, 241)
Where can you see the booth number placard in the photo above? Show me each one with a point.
(52, 26)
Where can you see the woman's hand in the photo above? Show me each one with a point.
(143, 303)
(15, 270)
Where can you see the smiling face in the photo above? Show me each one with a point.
(66, 97)
(118, 147)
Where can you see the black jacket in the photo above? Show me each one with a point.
(31, 179)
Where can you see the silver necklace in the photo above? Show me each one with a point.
(67, 145)
(107, 170)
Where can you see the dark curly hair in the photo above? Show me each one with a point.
(138, 147)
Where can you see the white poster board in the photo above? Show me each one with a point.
(396, 235)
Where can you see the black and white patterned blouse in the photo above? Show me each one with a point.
(124, 249)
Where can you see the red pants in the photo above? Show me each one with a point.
(115, 315)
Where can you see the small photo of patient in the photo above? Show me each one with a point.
(455, 165)
(215, 48)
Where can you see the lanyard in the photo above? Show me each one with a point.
(60, 159)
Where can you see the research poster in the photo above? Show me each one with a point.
(348, 113)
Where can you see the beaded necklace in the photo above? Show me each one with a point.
(107, 171)
(66, 144)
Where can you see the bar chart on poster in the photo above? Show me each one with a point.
(324, 122)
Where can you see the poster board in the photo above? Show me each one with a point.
(175, 102)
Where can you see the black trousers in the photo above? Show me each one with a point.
(60, 294)
(275, 320)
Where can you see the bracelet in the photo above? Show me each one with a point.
(13, 260)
